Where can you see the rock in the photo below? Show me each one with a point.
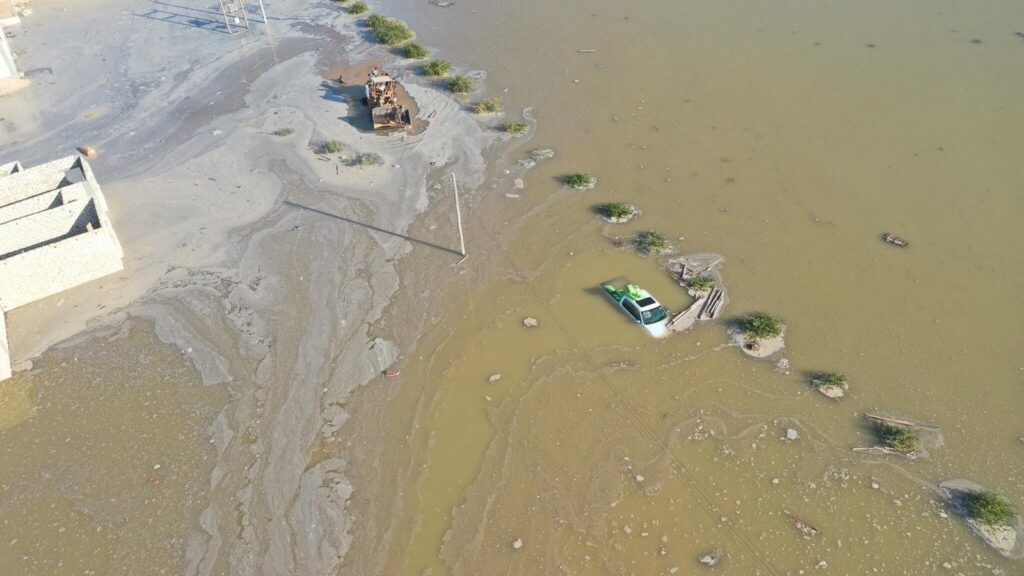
(518, 184)
(88, 151)
(530, 322)
(517, 544)
(711, 558)
(832, 391)
(792, 434)
(542, 154)
(494, 378)
(639, 478)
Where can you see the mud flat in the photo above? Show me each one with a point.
(263, 264)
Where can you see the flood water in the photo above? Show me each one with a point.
(105, 458)
(788, 138)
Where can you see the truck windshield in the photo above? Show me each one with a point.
(653, 316)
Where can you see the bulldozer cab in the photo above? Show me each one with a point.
(382, 98)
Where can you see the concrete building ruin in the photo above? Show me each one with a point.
(54, 235)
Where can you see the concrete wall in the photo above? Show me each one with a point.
(44, 201)
(9, 168)
(45, 271)
(46, 227)
(7, 67)
(41, 178)
(5, 350)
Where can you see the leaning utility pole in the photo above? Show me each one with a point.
(458, 219)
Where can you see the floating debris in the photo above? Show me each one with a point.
(895, 240)
(494, 378)
(711, 558)
(517, 544)
(806, 528)
(530, 322)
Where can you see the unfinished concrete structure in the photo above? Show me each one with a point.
(54, 235)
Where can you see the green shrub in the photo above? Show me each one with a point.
(837, 379)
(437, 68)
(331, 147)
(366, 159)
(701, 283)
(359, 8)
(283, 132)
(651, 242)
(460, 84)
(759, 326)
(389, 31)
(487, 106)
(580, 181)
(899, 438)
(615, 210)
(414, 50)
(515, 127)
(988, 508)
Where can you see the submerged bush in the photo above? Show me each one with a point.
(830, 379)
(389, 31)
(899, 438)
(515, 127)
(414, 50)
(488, 106)
(283, 132)
(701, 283)
(651, 242)
(359, 8)
(988, 507)
(331, 147)
(580, 181)
(615, 210)
(460, 84)
(437, 68)
(760, 326)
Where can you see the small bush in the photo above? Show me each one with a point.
(359, 8)
(283, 132)
(899, 438)
(366, 159)
(580, 181)
(437, 68)
(651, 242)
(830, 379)
(760, 326)
(414, 50)
(389, 31)
(488, 106)
(460, 84)
(331, 147)
(615, 210)
(701, 283)
(988, 508)
(515, 127)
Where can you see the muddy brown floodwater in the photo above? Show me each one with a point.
(106, 459)
(788, 138)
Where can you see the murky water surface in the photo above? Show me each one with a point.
(789, 138)
(105, 458)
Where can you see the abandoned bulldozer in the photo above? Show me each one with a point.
(381, 97)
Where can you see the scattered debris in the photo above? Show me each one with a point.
(792, 434)
(531, 322)
(88, 151)
(517, 544)
(895, 240)
(586, 51)
(494, 378)
(806, 528)
(392, 373)
(623, 365)
(442, 3)
(711, 558)
(541, 154)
